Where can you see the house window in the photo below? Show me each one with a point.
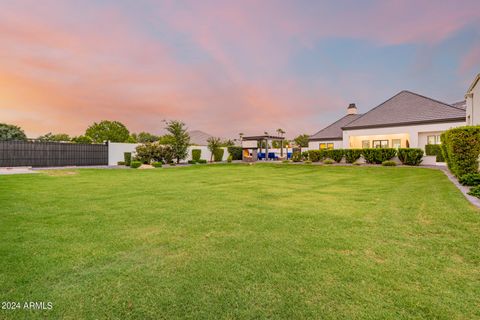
(433, 139)
(396, 143)
(365, 144)
(326, 146)
(380, 144)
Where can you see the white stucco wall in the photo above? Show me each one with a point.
(315, 145)
(473, 105)
(417, 134)
(116, 151)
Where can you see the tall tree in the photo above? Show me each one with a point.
(113, 131)
(179, 139)
(143, 137)
(54, 137)
(213, 145)
(10, 132)
(302, 140)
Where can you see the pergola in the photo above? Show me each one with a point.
(252, 143)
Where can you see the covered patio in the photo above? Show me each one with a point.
(257, 148)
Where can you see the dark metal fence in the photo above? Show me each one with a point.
(51, 154)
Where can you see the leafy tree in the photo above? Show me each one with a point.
(9, 132)
(82, 139)
(227, 143)
(180, 139)
(113, 131)
(153, 152)
(165, 139)
(54, 137)
(143, 137)
(213, 145)
(302, 140)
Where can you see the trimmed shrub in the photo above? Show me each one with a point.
(218, 154)
(434, 150)
(462, 148)
(389, 163)
(305, 155)
(316, 155)
(328, 161)
(335, 154)
(127, 157)
(192, 162)
(235, 152)
(229, 158)
(202, 161)
(378, 155)
(470, 179)
(475, 191)
(154, 152)
(135, 164)
(296, 157)
(352, 155)
(120, 163)
(196, 154)
(157, 164)
(410, 156)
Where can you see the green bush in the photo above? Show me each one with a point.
(192, 162)
(196, 154)
(157, 164)
(218, 155)
(470, 179)
(229, 158)
(121, 163)
(305, 155)
(410, 156)
(315, 155)
(135, 164)
(389, 163)
(352, 155)
(296, 157)
(153, 152)
(202, 161)
(378, 155)
(335, 154)
(328, 161)
(127, 158)
(235, 152)
(475, 191)
(434, 150)
(462, 148)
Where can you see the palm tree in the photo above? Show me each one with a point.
(281, 132)
(241, 136)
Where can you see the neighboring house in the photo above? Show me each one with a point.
(405, 120)
(199, 138)
(473, 102)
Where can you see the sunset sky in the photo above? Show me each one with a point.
(226, 67)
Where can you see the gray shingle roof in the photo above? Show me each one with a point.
(407, 108)
(460, 104)
(334, 131)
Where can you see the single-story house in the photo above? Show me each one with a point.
(473, 102)
(407, 119)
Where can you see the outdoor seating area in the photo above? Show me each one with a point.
(259, 148)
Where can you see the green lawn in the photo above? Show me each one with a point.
(238, 241)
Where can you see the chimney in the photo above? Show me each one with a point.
(352, 109)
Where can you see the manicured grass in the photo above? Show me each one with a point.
(238, 241)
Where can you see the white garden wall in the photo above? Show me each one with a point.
(116, 151)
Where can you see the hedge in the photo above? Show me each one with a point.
(352, 155)
(196, 154)
(218, 154)
(461, 147)
(335, 154)
(378, 155)
(434, 150)
(135, 164)
(127, 157)
(410, 156)
(296, 157)
(316, 155)
(470, 179)
(235, 152)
